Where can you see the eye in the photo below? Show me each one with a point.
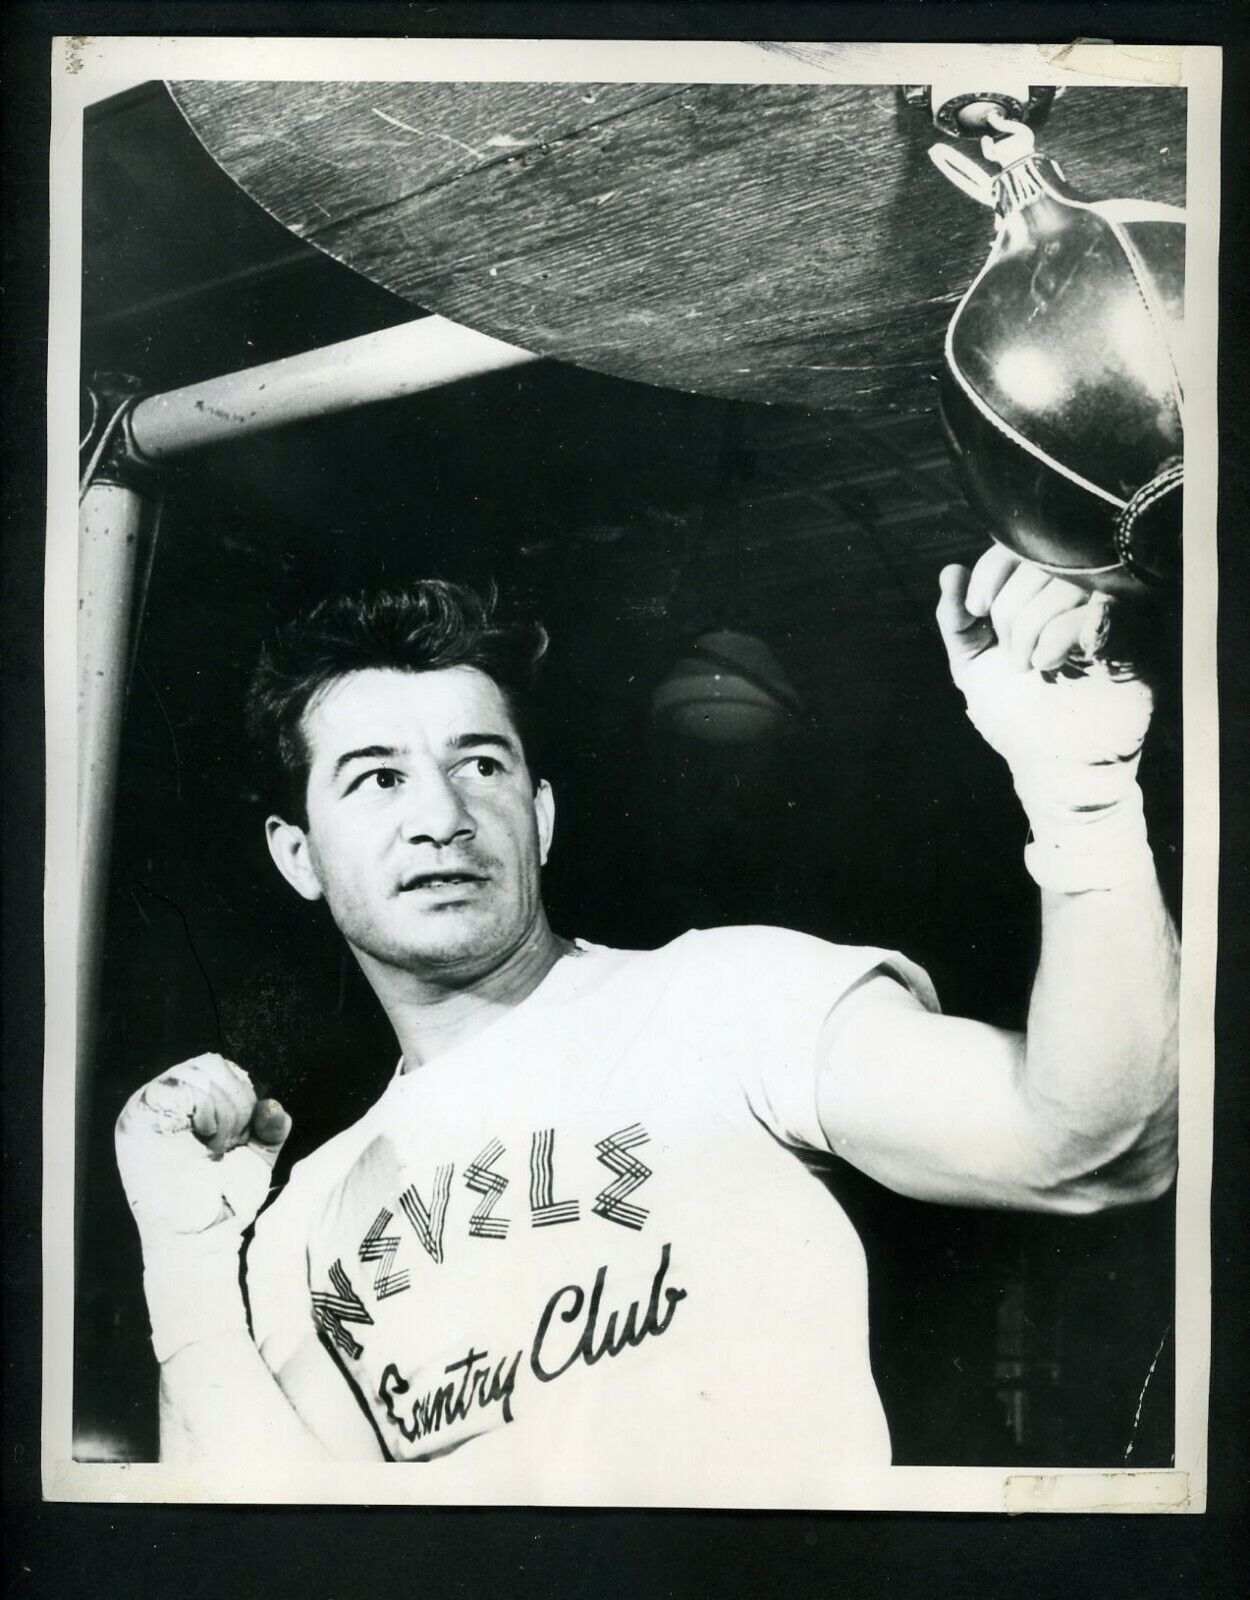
(376, 778)
(482, 767)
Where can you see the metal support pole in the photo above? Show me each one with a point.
(111, 525)
(405, 360)
(426, 354)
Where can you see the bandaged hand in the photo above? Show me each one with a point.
(195, 1150)
(1071, 730)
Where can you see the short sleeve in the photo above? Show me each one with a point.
(771, 991)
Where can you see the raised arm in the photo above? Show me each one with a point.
(195, 1150)
(1079, 1111)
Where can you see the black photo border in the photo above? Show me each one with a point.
(64, 1551)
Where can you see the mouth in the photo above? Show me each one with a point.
(440, 881)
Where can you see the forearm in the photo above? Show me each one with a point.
(195, 1152)
(1095, 1081)
(220, 1403)
(1099, 1068)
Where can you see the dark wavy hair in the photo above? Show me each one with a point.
(422, 627)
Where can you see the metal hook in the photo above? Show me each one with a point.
(1016, 144)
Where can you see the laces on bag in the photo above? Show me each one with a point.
(1012, 148)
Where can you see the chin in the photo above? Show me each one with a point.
(464, 945)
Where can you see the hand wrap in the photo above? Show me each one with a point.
(1073, 740)
(191, 1206)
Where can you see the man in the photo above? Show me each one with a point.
(571, 1252)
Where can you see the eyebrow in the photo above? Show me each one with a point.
(499, 741)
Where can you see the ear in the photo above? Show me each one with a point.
(545, 815)
(288, 845)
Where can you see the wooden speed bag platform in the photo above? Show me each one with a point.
(788, 243)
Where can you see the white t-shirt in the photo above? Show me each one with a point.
(582, 1233)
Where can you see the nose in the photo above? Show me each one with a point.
(434, 812)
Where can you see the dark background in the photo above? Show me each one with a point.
(142, 1550)
(629, 518)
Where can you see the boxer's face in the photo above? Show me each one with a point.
(425, 831)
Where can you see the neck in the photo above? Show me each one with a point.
(433, 1013)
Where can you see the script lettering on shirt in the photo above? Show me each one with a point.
(575, 1308)
(474, 1383)
(448, 1403)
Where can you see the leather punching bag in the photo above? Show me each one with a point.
(1061, 396)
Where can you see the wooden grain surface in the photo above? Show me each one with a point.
(786, 243)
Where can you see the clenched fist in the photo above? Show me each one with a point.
(1072, 738)
(195, 1150)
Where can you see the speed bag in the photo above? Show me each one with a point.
(1061, 394)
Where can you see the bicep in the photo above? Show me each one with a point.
(929, 1105)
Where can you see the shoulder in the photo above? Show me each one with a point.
(753, 1003)
(755, 961)
(744, 945)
